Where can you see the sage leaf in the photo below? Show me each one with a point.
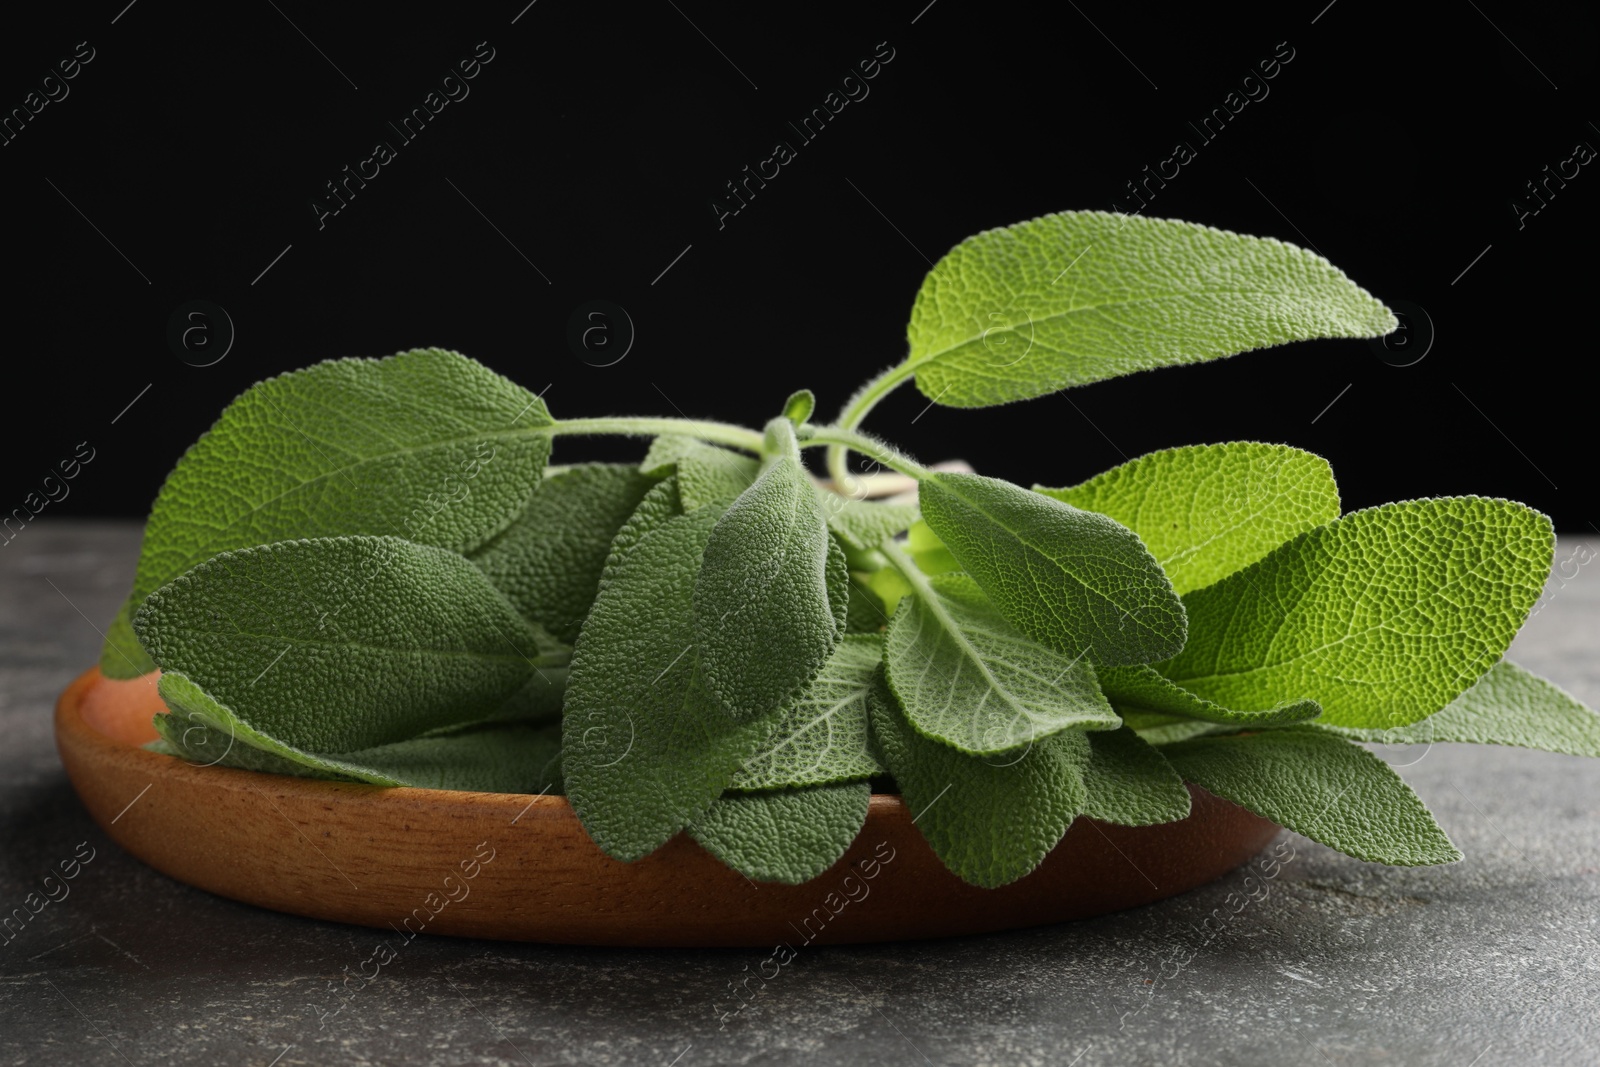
(989, 820)
(480, 758)
(660, 503)
(1070, 579)
(1209, 510)
(1320, 786)
(1509, 705)
(1143, 688)
(1383, 616)
(123, 656)
(646, 746)
(1130, 783)
(1080, 296)
(789, 836)
(427, 445)
(798, 408)
(336, 644)
(971, 680)
(706, 473)
(822, 734)
(864, 525)
(764, 619)
(548, 562)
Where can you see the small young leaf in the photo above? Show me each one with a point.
(548, 562)
(798, 408)
(483, 758)
(343, 643)
(1383, 617)
(1140, 687)
(1209, 510)
(1080, 296)
(764, 621)
(1071, 579)
(706, 473)
(822, 735)
(1129, 783)
(646, 747)
(1507, 706)
(1320, 786)
(990, 821)
(864, 525)
(971, 680)
(790, 836)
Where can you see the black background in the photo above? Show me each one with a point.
(196, 139)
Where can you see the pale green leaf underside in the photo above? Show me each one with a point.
(992, 819)
(788, 836)
(1130, 783)
(490, 758)
(970, 679)
(548, 562)
(822, 734)
(1080, 296)
(1208, 510)
(1141, 687)
(123, 656)
(1071, 579)
(706, 473)
(1507, 706)
(646, 747)
(764, 620)
(343, 643)
(1382, 617)
(1168, 729)
(863, 524)
(1321, 786)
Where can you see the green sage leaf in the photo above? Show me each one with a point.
(1383, 617)
(1320, 786)
(1140, 687)
(1209, 510)
(971, 680)
(789, 836)
(1070, 579)
(1130, 783)
(548, 562)
(707, 474)
(990, 820)
(343, 643)
(1080, 296)
(1509, 705)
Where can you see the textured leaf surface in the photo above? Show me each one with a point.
(1130, 783)
(342, 643)
(1068, 578)
(970, 679)
(822, 734)
(646, 747)
(1080, 296)
(991, 820)
(1321, 786)
(789, 836)
(764, 620)
(1141, 687)
(427, 445)
(548, 562)
(706, 473)
(1383, 617)
(1507, 706)
(491, 758)
(1209, 510)
(658, 505)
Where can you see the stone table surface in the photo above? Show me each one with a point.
(1494, 960)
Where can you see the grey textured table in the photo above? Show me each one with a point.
(1493, 960)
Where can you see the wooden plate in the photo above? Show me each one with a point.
(522, 868)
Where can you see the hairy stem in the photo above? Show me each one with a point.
(721, 433)
(841, 438)
(860, 405)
